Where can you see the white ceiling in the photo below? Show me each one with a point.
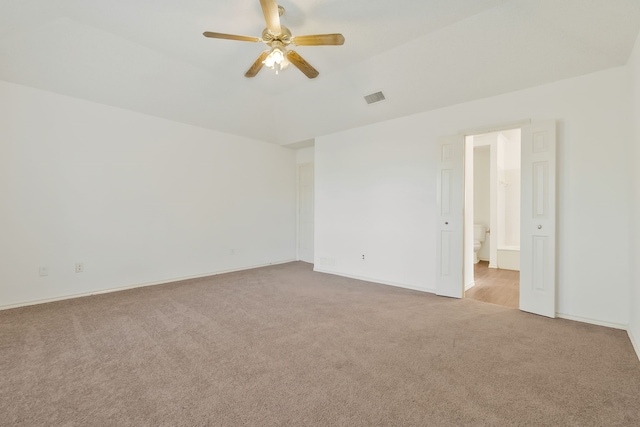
(150, 56)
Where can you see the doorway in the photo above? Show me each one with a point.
(492, 217)
(454, 265)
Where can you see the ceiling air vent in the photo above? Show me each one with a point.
(374, 97)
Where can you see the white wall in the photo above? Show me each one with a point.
(304, 155)
(482, 195)
(634, 325)
(492, 142)
(509, 191)
(376, 191)
(137, 199)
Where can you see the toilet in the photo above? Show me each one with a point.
(479, 234)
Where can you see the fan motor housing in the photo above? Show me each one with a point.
(284, 36)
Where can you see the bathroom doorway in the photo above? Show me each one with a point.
(492, 217)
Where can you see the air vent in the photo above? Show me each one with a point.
(374, 97)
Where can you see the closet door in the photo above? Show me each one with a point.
(305, 212)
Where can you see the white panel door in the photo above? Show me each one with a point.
(538, 219)
(305, 212)
(449, 229)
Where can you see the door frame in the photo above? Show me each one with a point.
(298, 206)
(469, 279)
(507, 126)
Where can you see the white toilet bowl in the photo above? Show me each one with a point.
(479, 234)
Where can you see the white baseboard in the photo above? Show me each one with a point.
(469, 286)
(378, 281)
(592, 321)
(635, 343)
(140, 285)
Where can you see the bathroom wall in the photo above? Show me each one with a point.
(490, 141)
(509, 191)
(497, 205)
(482, 194)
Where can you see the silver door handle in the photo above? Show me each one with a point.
(539, 227)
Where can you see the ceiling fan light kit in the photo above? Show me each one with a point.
(277, 58)
(278, 38)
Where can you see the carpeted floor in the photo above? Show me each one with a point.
(285, 346)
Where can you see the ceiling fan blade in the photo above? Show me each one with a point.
(319, 40)
(257, 66)
(271, 15)
(302, 65)
(231, 37)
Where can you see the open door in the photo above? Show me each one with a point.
(538, 219)
(450, 217)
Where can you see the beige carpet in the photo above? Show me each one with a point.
(285, 346)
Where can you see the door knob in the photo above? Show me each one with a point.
(539, 227)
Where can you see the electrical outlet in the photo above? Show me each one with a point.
(79, 267)
(44, 271)
(363, 256)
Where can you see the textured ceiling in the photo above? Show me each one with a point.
(150, 56)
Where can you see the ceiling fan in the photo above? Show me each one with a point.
(278, 38)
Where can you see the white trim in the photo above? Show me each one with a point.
(470, 285)
(140, 285)
(298, 210)
(380, 282)
(634, 343)
(592, 321)
(298, 166)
